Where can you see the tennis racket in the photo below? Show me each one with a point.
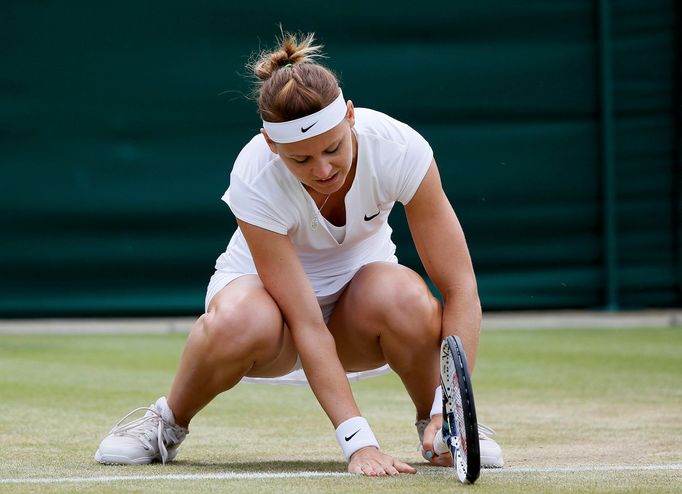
(460, 428)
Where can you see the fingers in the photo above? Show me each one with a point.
(372, 469)
(375, 469)
(374, 463)
(439, 460)
(429, 434)
(402, 467)
(444, 460)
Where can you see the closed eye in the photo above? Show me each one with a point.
(300, 159)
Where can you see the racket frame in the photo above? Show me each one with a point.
(468, 470)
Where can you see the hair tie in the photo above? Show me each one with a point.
(287, 66)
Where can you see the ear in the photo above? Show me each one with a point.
(350, 113)
(271, 144)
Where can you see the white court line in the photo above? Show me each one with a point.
(587, 468)
(289, 475)
(187, 476)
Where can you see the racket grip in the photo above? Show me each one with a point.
(440, 446)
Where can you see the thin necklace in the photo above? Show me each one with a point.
(314, 222)
(325, 202)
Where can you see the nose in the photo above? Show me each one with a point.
(322, 170)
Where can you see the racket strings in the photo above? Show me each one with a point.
(459, 415)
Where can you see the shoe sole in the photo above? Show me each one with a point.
(124, 460)
(491, 462)
(121, 460)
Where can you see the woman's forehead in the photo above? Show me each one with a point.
(315, 144)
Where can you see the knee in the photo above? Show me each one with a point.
(414, 312)
(231, 325)
(402, 301)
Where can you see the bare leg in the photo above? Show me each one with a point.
(242, 333)
(387, 314)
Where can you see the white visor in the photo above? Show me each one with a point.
(309, 126)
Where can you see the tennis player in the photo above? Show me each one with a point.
(309, 289)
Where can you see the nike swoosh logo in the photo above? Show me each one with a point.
(367, 218)
(304, 130)
(351, 436)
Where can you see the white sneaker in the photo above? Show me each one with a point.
(491, 453)
(154, 437)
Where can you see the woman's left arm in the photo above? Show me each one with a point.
(442, 248)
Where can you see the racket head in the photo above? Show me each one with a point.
(460, 426)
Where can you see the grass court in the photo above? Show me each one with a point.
(576, 410)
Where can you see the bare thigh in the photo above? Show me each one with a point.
(244, 313)
(383, 299)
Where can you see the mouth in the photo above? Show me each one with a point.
(329, 180)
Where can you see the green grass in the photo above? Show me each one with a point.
(558, 398)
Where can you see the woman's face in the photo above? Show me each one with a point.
(323, 162)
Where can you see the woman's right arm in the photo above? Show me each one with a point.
(283, 276)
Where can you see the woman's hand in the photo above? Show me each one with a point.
(444, 460)
(373, 463)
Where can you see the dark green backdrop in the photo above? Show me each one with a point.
(555, 125)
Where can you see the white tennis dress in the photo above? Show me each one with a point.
(392, 161)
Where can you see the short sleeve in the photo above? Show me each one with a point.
(416, 159)
(252, 206)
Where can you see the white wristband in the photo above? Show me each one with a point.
(437, 407)
(354, 434)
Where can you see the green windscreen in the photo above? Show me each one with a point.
(119, 123)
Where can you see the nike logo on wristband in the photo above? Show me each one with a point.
(348, 438)
(306, 129)
(367, 218)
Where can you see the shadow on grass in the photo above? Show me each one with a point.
(209, 467)
(264, 466)
(290, 466)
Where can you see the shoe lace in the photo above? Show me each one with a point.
(485, 431)
(143, 429)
